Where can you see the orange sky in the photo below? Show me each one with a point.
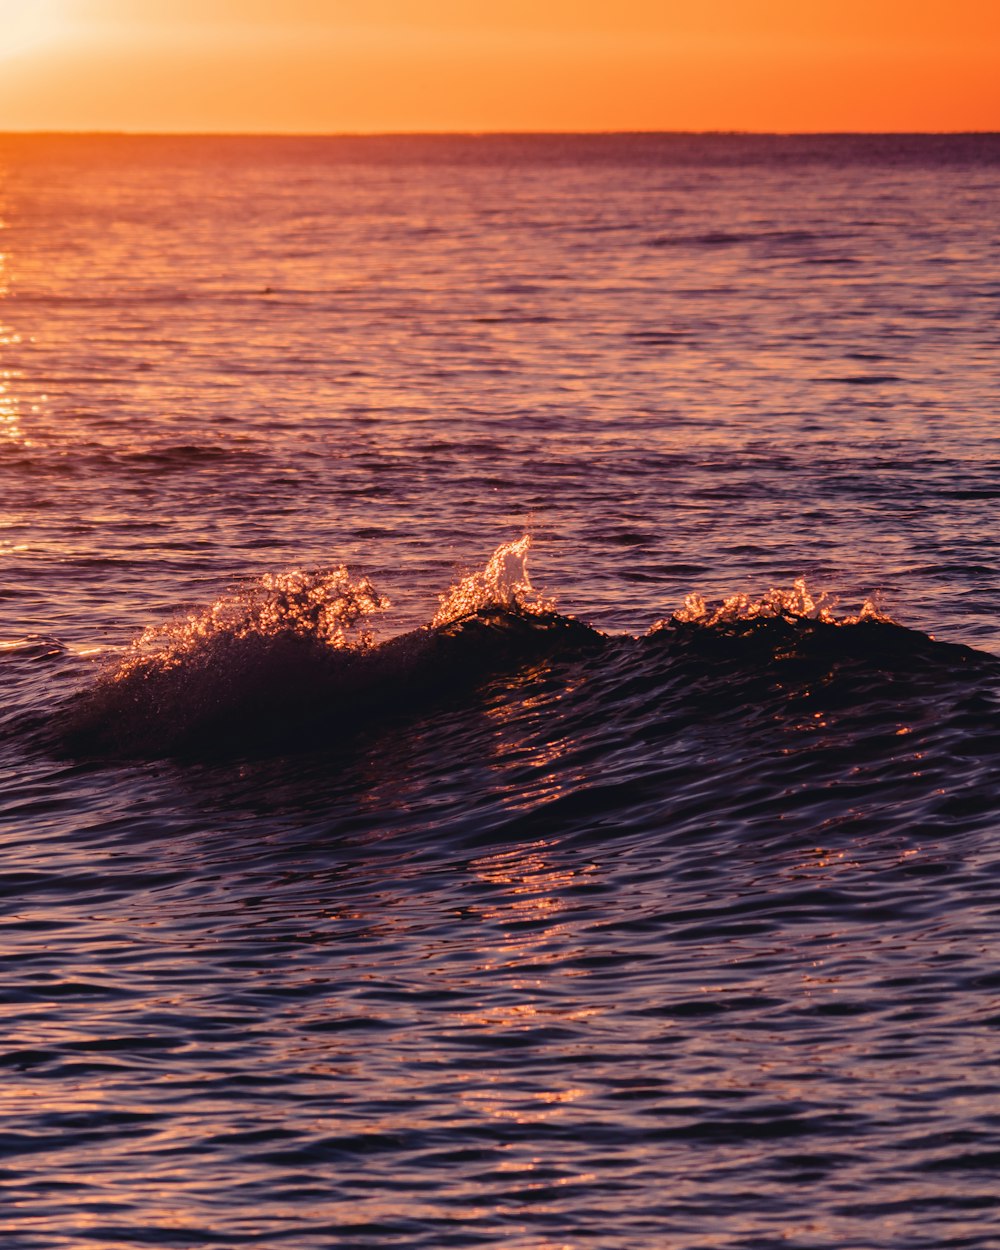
(401, 65)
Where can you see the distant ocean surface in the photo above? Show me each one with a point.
(499, 673)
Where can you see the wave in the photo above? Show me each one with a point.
(294, 656)
(504, 583)
(729, 238)
(796, 604)
(293, 661)
(33, 647)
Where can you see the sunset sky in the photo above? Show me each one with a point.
(326, 66)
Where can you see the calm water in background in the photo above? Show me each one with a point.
(683, 940)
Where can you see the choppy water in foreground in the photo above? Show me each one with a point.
(647, 906)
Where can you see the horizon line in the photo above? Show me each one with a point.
(41, 133)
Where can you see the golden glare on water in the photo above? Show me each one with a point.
(10, 417)
(10, 424)
(531, 913)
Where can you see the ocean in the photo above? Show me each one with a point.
(499, 672)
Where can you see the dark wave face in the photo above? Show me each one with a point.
(271, 671)
(656, 909)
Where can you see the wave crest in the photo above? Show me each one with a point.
(503, 583)
(322, 606)
(796, 604)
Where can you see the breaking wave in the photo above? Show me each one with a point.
(292, 660)
(504, 583)
(796, 604)
(294, 655)
(322, 608)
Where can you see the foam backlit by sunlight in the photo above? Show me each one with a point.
(797, 604)
(503, 583)
(321, 606)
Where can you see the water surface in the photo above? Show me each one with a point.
(546, 925)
